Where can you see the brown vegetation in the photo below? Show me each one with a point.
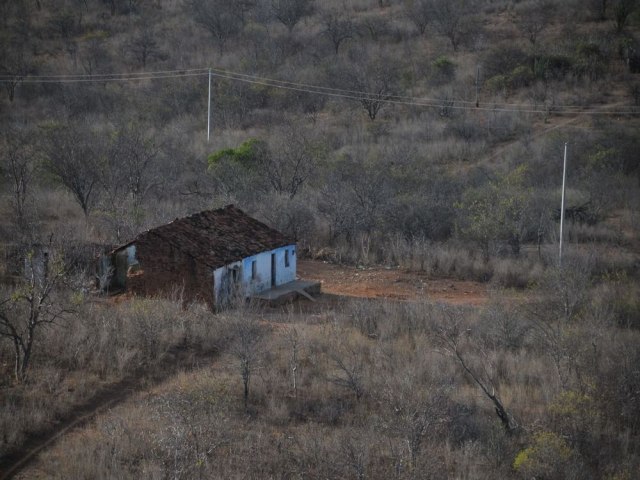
(407, 146)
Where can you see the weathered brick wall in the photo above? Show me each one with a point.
(164, 269)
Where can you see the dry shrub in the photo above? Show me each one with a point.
(516, 273)
(376, 396)
(47, 394)
(437, 259)
(102, 343)
(375, 393)
(599, 233)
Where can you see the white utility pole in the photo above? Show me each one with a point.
(209, 110)
(564, 179)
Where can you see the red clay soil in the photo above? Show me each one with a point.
(380, 282)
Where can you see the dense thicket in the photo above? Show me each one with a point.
(337, 168)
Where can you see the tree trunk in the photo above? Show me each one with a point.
(18, 360)
(246, 391)
(11, 89)
(26, 353)
(246, 373)
(514, 243)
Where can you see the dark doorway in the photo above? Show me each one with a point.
(229, 286)
(273, 269)
(120, 280)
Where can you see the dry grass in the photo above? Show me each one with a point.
(93, 350)
(357, 373)
(363, 368)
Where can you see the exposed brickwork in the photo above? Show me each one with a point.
(182, 255)
(164, 269)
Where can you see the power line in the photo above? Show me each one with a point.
(88, 79)
(353, 95)
(97, 76)
(341, 90)
(319, 90)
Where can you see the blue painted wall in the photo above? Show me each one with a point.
(262, 280)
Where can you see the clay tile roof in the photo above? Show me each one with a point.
(217, 237)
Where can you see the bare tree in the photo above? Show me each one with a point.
(338, 28)
(418, 12)
(19, 154)
(223, 19)
(15, 64)
(71, 153)
(503, 325)
(355, 453)
(113, 4)
(533, 18)
(349, 373)
(122, 6)
(292, 216)
(375, 26)
(447, 18)
(599, 8)
(335, 205)
(144, 47)
(245, 344)
(94, 57)
(290, 12)
(375, 77)
(133, 157)
(34, 304)
(293, 339)
(348, 358)
(622, 10)
(65, 23)
(414, 411)
(565, 290)
(292, 159)
(452, 339)
(354, 196)
(129, 171)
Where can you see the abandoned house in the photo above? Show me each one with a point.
(206, 256)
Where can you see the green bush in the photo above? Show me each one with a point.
(547, 457)
(497, 84)
(443, 70)
(245, 154)
(590, 61)
(627, 311)
(521, 76)
(503, 60)
(552, 67)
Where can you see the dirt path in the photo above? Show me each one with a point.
(174, 360)
(380, 282)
